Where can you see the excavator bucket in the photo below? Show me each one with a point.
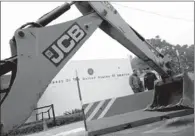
(174, 94)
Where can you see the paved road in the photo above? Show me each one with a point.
(74, 129)
(180, 126)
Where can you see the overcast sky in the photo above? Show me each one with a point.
(172, 21)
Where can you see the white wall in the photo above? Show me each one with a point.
(64, 95)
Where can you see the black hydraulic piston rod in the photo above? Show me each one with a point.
(52, 15)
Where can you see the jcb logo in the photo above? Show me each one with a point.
(59, 50)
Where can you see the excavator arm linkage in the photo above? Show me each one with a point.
(41, 52)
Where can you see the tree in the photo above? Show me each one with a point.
(186, 55)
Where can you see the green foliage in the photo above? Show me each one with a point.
(73, 111)
(186, 55)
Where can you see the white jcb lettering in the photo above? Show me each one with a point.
(60, 54)
(65, 39)
(61, 48)
(76, 33)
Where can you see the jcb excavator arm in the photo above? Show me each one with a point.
(114, 25)
(43, 51)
